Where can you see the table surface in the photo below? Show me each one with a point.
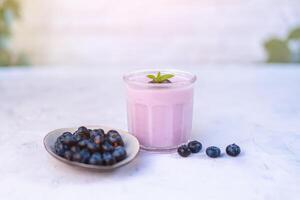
(255, 107)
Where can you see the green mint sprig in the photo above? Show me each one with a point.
(160, 78)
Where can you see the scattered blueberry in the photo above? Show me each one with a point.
(233, 150)
(184, 151)
(119, 153)
(195, 146)
(213, 152)
(108, 158)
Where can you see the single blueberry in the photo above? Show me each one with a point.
(77, 157)
(93, 134)
(101, 131)
(92, 147)
(83, 132)
(213, 152)
(114, 138)
(107, 147)
(96, 132)
(68, 155)
(233, 150)
(69, 140)
(119, 153)
(99, 139)
(96, 159)
(66, 134)
(85, 156)
(195, 146)
(108, 158)
(60, 138)
(77, 137)
(57, 144)
(59, 148)
(83, 143)
(184, 151)
(82, 129)
(75, 149)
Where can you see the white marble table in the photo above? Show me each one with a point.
(256, 107)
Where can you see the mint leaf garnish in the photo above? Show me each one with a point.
(160, 78)
(151, 76)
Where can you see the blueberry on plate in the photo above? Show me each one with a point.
(68, 155)
(213, 152)
(75, 149)
(60, 138)
(233, 150)
(96, 159)
(59, 148)
(77, 137)
(95, 132)
(184, 151)
(99, 139)
(83, 143)
(77, 157)
(85, 156)
(106, 147)
(108, 158)
(92, 147)
(83, 132)
(69, 140)
(101, 131)
(82, 129)
(195, 146)
(61, 145)
(119, 153)
(114, 138)
(57, 144)
(66, 134)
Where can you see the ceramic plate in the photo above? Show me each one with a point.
(131, 145)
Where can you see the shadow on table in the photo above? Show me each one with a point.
(138, 165)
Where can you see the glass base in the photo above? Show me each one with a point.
(159, 149)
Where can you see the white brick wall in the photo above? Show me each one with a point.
(151, 32)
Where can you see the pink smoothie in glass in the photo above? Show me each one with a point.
(160, 114)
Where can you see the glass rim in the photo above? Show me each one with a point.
(191, 78)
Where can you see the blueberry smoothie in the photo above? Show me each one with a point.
(160, 110)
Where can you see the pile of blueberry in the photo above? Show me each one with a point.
(212, 151)
(91, 146)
